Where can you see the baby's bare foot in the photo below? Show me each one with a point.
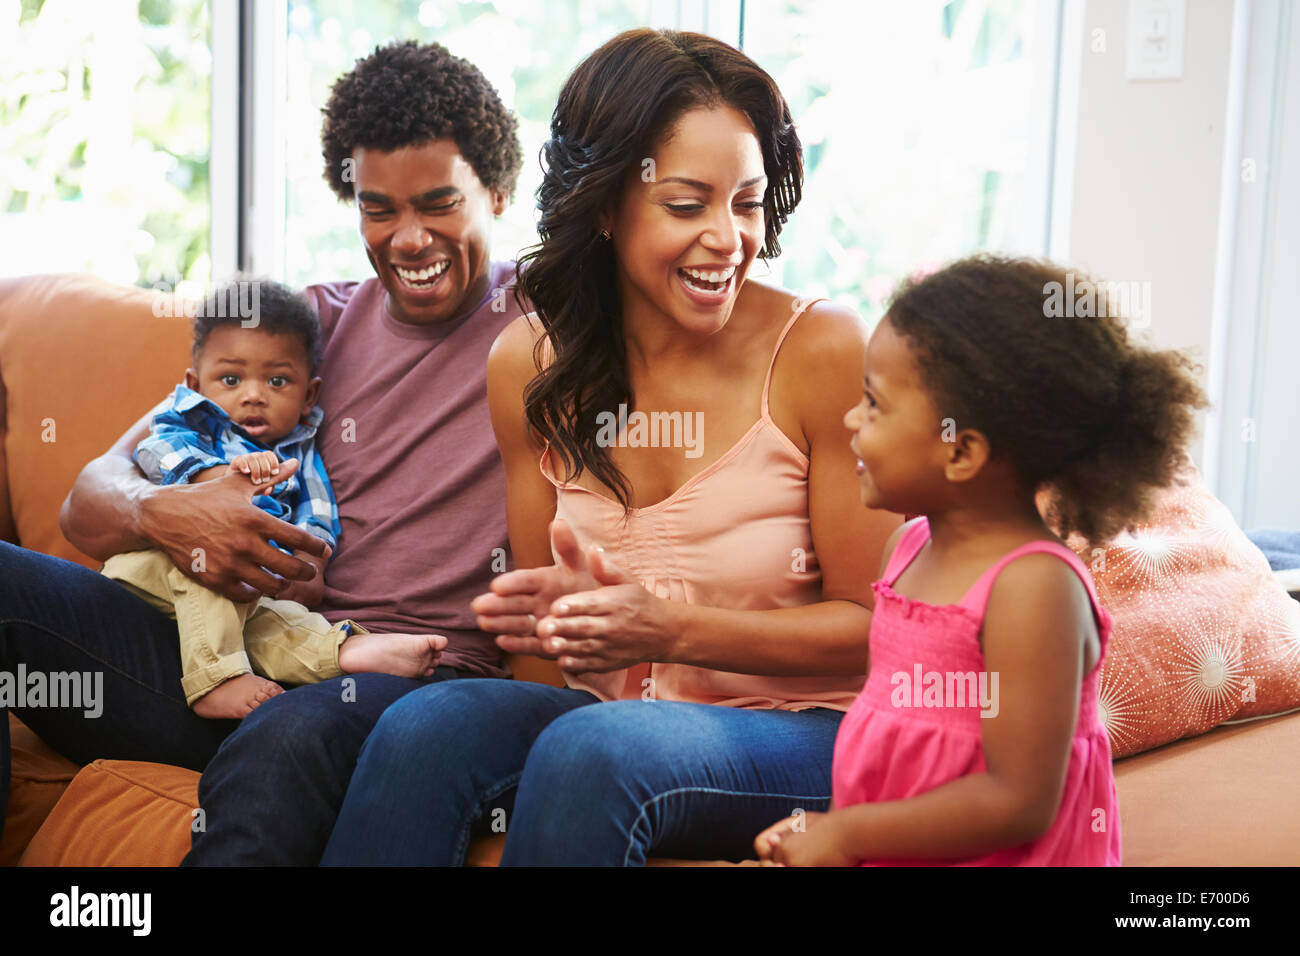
(236, 698)
(405, 655)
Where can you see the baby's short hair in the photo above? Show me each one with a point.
(262, 304)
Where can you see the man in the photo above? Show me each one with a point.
(421, 143)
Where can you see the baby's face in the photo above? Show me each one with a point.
(261, 379)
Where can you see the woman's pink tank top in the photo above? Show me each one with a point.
(736, 535)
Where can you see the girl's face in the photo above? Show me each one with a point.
(897, 429)
(690, 221)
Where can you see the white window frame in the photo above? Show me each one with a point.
(264, 212)
(249, 55)
(1056, 120)
(1249, 270)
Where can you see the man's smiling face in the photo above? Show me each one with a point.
(426, 222)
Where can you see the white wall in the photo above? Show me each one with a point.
(1147, 165)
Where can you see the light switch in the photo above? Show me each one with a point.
(1155, 39)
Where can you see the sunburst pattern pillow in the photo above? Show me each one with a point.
(1203, 633)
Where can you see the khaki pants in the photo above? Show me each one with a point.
(280, 640)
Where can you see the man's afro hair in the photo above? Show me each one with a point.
(405, 94)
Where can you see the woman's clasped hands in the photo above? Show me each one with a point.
(584, 612)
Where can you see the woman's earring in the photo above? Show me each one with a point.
(604, 234)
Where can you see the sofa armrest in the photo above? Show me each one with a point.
(86, 357)
(7, 530)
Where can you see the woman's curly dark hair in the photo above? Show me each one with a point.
(611, 113)
(1071, 402)
(405, 94)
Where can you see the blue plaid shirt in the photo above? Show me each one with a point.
(190, 433)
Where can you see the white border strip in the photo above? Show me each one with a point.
(1226, 246)
(1068, 70)
(266, 215)
(223, 149)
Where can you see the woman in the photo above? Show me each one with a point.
(723, 650)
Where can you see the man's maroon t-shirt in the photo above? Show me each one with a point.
(408, 445)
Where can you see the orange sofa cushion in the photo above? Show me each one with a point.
(81, 359)
(132, 813)
(1227, 798)
(37, 778)
(1196, 802)
(119, 813)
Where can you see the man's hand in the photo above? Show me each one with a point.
(215, 535)
(308, 593)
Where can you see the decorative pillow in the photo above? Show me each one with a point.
(1203, 633)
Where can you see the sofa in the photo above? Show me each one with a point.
(88, 357)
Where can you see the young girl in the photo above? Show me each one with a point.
(976, 739)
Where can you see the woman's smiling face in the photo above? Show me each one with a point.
(689, 224)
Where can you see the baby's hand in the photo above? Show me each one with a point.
(259, 465)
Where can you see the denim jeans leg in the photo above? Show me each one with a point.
(614, 784)
(57, 616)
(272, 792)
(437, 764)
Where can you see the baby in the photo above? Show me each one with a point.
(248, 406)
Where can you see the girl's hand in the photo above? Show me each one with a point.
(614, 626)
(809, 839)
(520, 599)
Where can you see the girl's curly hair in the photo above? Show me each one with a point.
(1071, 402)
(405, 94)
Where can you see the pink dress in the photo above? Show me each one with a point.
(917, 725)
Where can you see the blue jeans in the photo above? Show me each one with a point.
(57, 616)
(576, 784)
(272, 791)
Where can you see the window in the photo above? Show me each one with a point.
(926, 132)
(526, 49)
(104, 139)
(927, 127)
(916, 122)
